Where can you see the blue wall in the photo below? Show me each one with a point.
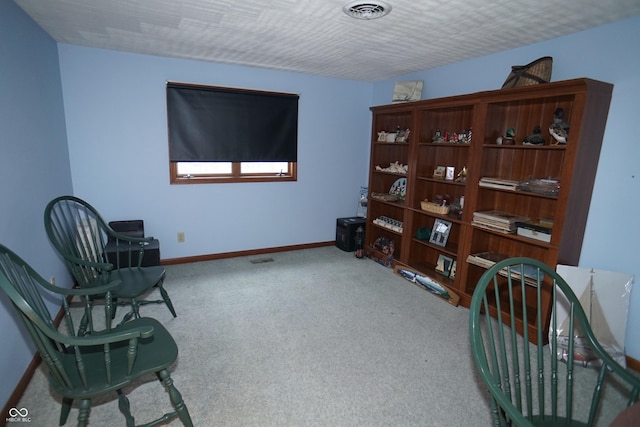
(610, 53)
(34, 167)
(92, 122)
(116, 122)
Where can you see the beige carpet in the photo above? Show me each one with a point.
(314, 337)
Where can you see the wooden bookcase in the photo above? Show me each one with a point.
(488, 115)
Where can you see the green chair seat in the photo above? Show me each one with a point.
(136, 280)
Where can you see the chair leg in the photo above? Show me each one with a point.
(83, 413)
(167, 300)
(133, 313)
(64, 411)
(114, 306)
(176, 398)
(135, 308)
(82, 330)
(125, 408)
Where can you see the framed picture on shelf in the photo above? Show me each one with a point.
(440, 232)
(407, 91)
(439, 172)
(452, 272)
(444, 265)
(450, 173)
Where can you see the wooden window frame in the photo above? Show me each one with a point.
(234, 176)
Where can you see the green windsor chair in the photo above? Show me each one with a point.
(528, 384)
(96, 364)
(80, 234)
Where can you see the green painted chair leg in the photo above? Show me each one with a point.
(64, 412)
(167, 300)
(176, 398)
(125, 409)
(83, 413)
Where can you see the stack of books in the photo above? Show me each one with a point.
(488, 259)
(494, 220)
(539, 229)
(500, 183)
(485, 259)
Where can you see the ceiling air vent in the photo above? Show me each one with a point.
(366, 10)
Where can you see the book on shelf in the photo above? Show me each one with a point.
(500, 183)
(499, 217)
(539, 229)
(500, 228)
(531, 274)
(488, 259)
(533, 234)
(498, 221)
(485, 259)
(541, 225)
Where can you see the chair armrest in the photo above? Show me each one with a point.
(112, 336)
(79, 261)
(127, 238)
(96, 290)
(124, 251)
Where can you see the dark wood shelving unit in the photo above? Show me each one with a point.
(488, 115)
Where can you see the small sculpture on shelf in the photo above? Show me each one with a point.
(460, 137)
(359, 238)
(508, 139)
(395, 167)
(387, 247)
(463, 137)
(441, 199)
(535, 138)
(437, 136)
(462, 175)
(403, 136)
(399, 135)
(455, 208)
(559, 129)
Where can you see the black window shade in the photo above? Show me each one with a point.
(209, 123)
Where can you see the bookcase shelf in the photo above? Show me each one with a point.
(478, 120)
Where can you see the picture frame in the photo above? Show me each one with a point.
(439, 172)
(440, 232)
(450, 173)
(404, 91)
(452, 271)
(444, 265)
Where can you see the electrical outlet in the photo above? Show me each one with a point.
(180, 236)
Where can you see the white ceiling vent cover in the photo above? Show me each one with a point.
(366, 10)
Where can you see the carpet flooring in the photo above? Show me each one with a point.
(313, 337)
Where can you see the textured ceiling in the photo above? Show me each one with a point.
(315, 36)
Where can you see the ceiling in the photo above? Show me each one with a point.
(315, 36)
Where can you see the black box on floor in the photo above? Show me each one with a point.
(132, 228)
(346, 232)
(150, 258)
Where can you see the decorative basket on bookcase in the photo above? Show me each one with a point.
(434, 207)
(538, 71)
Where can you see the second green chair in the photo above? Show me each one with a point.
(80, 234)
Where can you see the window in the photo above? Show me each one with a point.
(221, 134)
(211, 172)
